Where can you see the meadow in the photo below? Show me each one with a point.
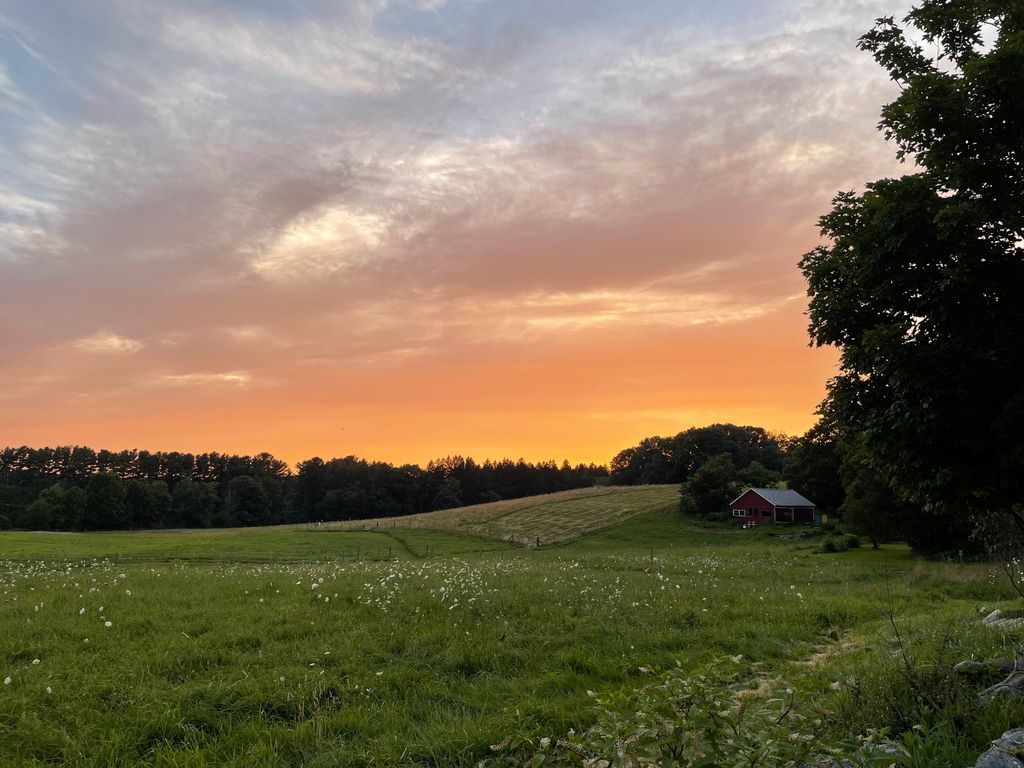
(279, 647)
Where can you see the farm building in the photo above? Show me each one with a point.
(764, 505)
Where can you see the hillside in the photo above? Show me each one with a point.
(550, 518)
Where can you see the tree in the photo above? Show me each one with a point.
(870, 507)
(921, 284)
(148, 503)
(106, 503)
(193, 505)
(757, 475)
(56, 508)
(348, 503)
(247, 502)
(710, 489)
(812, 468)
(448, 496)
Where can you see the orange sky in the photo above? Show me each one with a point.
(331, 231)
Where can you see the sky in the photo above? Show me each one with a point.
(405, 229)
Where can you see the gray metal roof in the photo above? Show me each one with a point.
(779, 498)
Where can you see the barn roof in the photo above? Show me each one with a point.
(779, 498)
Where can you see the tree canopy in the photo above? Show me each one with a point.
(921, 282)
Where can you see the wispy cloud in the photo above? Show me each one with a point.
(108, 343)
(310, 193)
(238, 378)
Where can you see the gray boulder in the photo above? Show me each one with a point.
(1006, 752)
(1010, 688)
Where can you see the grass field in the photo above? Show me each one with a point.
(549, 519)
(269, 648)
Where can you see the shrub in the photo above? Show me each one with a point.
(853, 542)
(832, 545)
(693, 719)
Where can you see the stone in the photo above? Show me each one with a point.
(1005, 752)
(1010, 688)
(999, 620)
(973, 668)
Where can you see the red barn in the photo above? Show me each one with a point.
(763, 505)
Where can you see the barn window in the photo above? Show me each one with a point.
(766, 513)
(737, 513)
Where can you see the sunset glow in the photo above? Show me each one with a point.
(403, 230)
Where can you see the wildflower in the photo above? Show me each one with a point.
(49, 689)
(7, 681)
(835, 685)
(128, 592)
(34, 662)
(108, 624)
(81, 611)
(545, 743)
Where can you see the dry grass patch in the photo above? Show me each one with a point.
(551, 518)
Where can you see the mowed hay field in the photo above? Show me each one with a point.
(548, 519)
(417, 660)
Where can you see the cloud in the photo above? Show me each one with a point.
(108, 343)
(326, 240)
(238, 378)
(302, 192)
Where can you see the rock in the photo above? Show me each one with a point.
(1005, 752)
(1010, 688)
(999, 620)
(972, 668)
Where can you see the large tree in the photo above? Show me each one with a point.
(921, 284)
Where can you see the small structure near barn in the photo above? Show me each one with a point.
(772, 505)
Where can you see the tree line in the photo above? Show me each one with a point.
(77, 488)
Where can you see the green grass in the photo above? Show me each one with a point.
(278, 543)
(552, 518)
(282, 654)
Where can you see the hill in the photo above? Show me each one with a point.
(547, 519)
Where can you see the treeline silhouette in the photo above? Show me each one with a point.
(674, 459)
(77, 488)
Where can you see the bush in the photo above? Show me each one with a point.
(853, 542)
(833, 545)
